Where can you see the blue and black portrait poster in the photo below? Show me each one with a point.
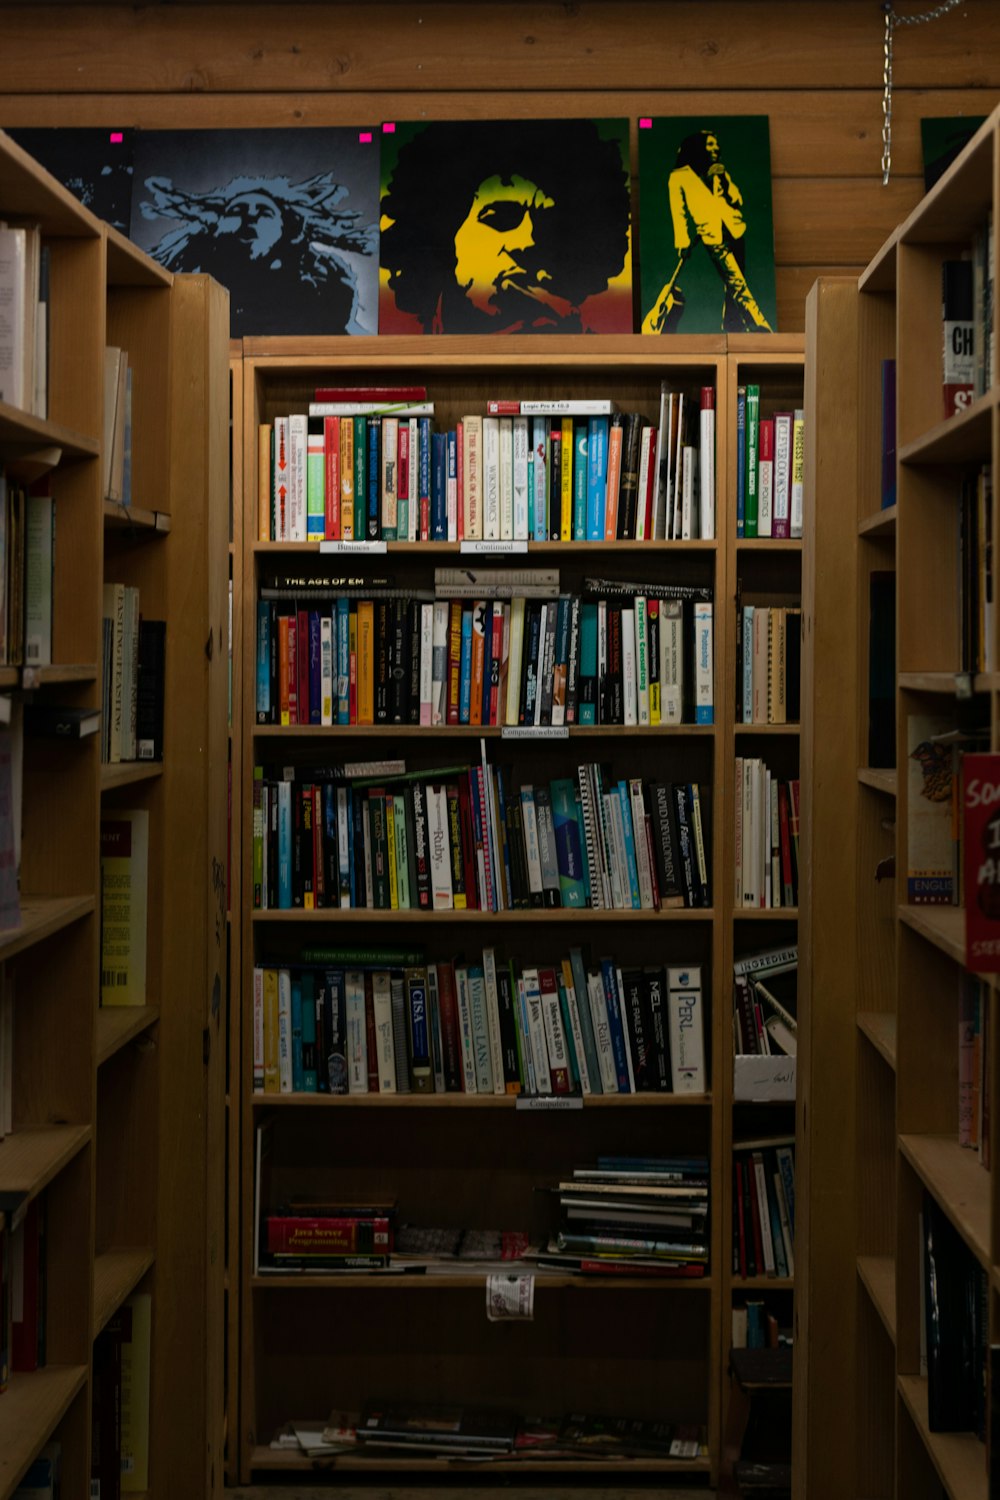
(93, 162)
(285, 219)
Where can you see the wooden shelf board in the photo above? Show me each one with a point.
(880, 525)
(9, 677)
(944, 926)
(958, 1457)
(118, 1024)
(880, 273)
(134, 518)
(470, 1101)
(126, 772)
(277, 1459)
(32, 1156)
(474, 731)
(41, 917)
(963, 438)
(952, 1173)
(22, 434)
(30, 1409)
(879, 779)
(117, 1273)
(130, 266)
(767, 729)
(599, 551)
(879, 1026)
(878, 1276)
(473, 1281)
(357, 916)
(266, 354)
(768, 544)
(762, 1283)
(765, 913)
(59, 674)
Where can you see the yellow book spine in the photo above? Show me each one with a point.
(271, 1031)
(136, 1331)
(390, 839)
(366, 662)
(264, 480)
(566, 481)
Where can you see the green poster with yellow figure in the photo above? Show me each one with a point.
(706, 229)
(517, 226)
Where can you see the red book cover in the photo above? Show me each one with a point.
(980, 827)
(504, 407)
(548, 985)
(371, 1036)
(371, 393)
(403, 464)
(352, 667)
(629, 1268)
(319, 874)
(469, 863)
(331, 448)
(294, 1235)
(302, 665)
(454, 659)
(450, 1037)
(495, 660)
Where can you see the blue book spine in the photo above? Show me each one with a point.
(610, 981)
(633, 869)
(541, 454)
(581, 480)
(296, 1036)
(569, 856)
(439, 487)
(741, 456)
(373, 479)
(465, 669)
(343, 661)
(424, 477)
(597, 477)
(285, 845)
(531, 490)
(587, 710)
(451, 475)
(310, 1076)
(315, 669)
(263, 661)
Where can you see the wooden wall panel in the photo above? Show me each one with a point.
(815, 70)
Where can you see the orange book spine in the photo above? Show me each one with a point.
(614, 479)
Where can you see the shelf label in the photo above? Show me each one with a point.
(508, 1296)
(549, 1101)
(535, 732)
(364, 547)
(493, 549)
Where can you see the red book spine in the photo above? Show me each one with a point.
(646, 500)
(292, 1235)
(371, 393)
(450, 1041)
(403, 465)
(503, 407)
(331, 448)
(497, 649)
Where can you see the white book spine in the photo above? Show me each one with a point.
(438, 848)
(689, 465)
(536, 1029)
(643, 867)
(629, 686)
(385, 1047)
(576, 1033)
(659, 458)
(765, 497)
(13, 315)
(284, 1031)
(439, 660)
(520, 466)
(706, 475)
(480, 1033)
(686, 1026)
(797, 480)
(426, 663)
(506, 479)
(767, 1243)
(524, 1031)
(356, 1032)
(493, 1019)
(297, 447)
(491, 479)
(671, 662)
(529, 822)
(602, 1033)
(704, 694)
(611, 845)
(465, 1029)
(326, 669)
(781, 513)
(555, 1034)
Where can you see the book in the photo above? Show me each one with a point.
(124, 888)
(958, 335)
(135, 1357)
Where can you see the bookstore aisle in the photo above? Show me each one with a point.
(518, 820)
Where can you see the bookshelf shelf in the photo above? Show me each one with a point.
(879, 1026)
(601, 553)
(60, 674)
(41, 918)
(944, 683)
(550, 917)
(132, 518)
(961, 439)
(879, 526)
(765, 914)
(879, 780)
(30, 1409)
(478, 1101)
(766, 729)
(117, 1273)
(774, 544)
(428, 732)
(959, 1183)
(958, 1457)
(763, 1283)
(273, 1459)
(19, 430)
(128, 773)
(118, 1024)
(433, 1281)
(878, 1276)
(34, 1155)
(944, 926)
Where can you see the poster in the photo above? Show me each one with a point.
(93, 162)
(286, 220)
(706, 232)
(505, 227)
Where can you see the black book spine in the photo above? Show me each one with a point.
(303, 796)
(149, 693)
(383, 670)
(685, 841)
(572, 659)
(656, 994)
(380, 849)
(331, 844)
(665, 846)
(555, 485)
(529, 667)
(413, 662)
(628, 487)
(373, 480)
(359, 805)
(616, 688)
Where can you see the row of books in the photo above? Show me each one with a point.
(974, 1091)
(462, 837)
(483, 1433)
(116, 453)
(756, 1326)
(24, 332)
(638, 658)
(768, 661)
(132, 678)
(22, 1291)
(765, 1010)
(764, 1207)
(119, 1451)
(562, 470)
(766, 851)
(27, 557)
(976, 602)
(770, 455)
(634, 1217)
(487, 1026)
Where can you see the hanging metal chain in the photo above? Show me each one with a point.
(891, 22)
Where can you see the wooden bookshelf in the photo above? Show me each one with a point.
(278, 377)
(108, 1133)
(899, 969)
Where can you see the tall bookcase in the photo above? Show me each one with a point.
(649, 1350)
(886, 984)
(112, 1106)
